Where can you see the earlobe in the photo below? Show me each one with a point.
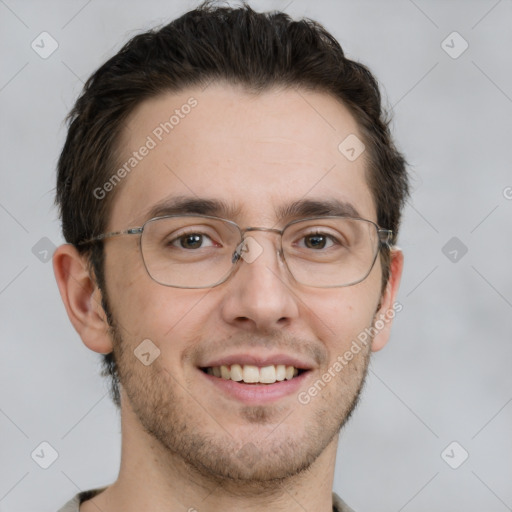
(388, 307)
(81, 298)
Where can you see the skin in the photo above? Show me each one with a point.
(185, 445)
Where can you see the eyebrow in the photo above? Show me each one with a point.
(218, 208)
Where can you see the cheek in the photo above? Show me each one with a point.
(142, 307)
(171, 318)
(158, 312)
(341, 316)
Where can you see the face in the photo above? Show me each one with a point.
(256, 153)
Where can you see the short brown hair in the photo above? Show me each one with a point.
(255, 50)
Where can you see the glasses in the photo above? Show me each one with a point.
(200, 251)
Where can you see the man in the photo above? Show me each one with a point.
(231, 197)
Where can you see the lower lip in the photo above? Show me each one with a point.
(257, 393)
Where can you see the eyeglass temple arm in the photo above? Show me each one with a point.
(385, 237)
(131, 231)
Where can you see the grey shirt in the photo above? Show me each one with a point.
(74, 505)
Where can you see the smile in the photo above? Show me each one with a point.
(252, 374)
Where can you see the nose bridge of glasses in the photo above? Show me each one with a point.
(253, 245)
(268, 230)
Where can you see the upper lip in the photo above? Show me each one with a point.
(259, 360)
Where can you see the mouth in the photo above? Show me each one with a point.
(256, 379)
(252, 374)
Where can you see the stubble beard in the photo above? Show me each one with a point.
(175, 421)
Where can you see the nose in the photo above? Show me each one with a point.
(260, 296)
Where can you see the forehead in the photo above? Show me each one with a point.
(259, 155)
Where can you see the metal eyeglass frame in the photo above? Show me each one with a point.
(384, 236)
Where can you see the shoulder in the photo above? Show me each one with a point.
(73, 505)
(338, 505)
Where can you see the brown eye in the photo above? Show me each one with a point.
(192, 240)
(316, 241)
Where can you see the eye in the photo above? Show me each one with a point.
(318, 240)
(191, 240)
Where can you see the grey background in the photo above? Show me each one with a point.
(445, 375)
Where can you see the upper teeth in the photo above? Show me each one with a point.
(252, 374)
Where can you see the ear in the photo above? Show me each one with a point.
(82, 298)
(388, 308)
